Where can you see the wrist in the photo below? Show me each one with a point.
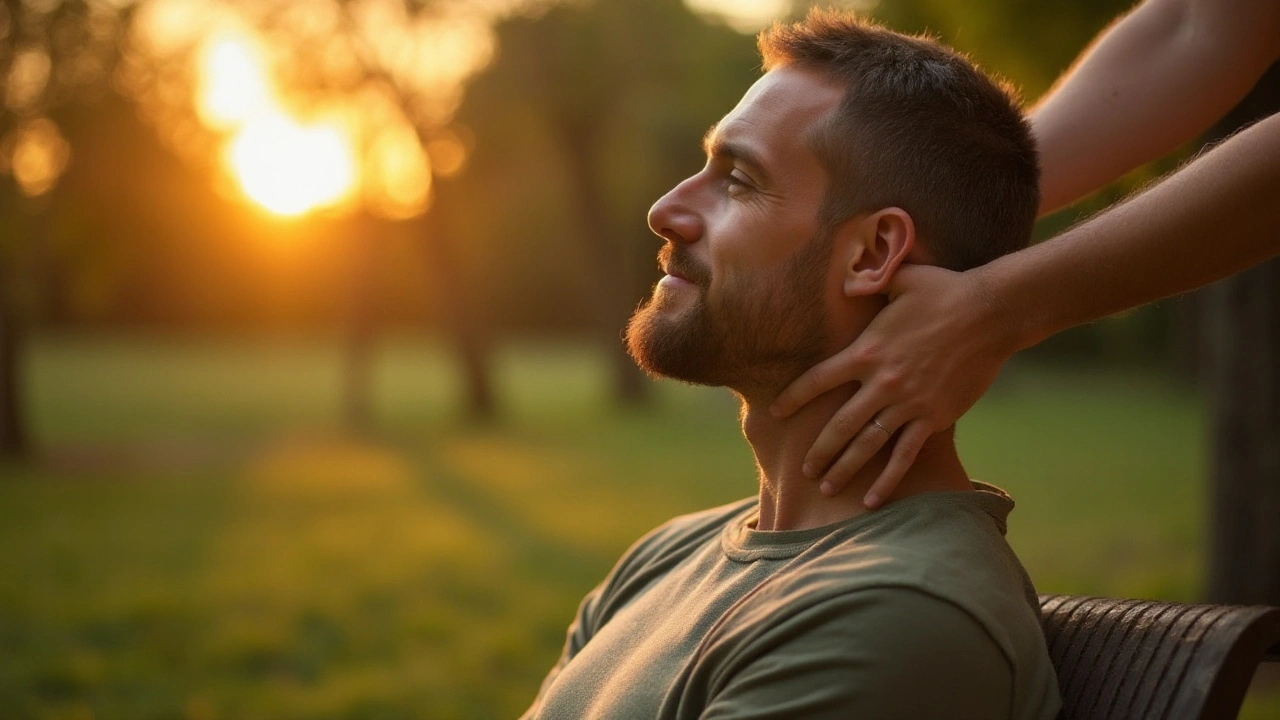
(1006, 320)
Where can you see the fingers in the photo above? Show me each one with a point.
(869, 441)
(905, 449)
(831, 373)
(848, 428)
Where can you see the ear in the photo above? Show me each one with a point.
(875, 245)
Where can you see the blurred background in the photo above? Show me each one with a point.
(312, 397)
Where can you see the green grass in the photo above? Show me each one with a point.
(199, 540)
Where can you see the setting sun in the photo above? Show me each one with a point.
(290, 169)
(232, 87)
(287, 166)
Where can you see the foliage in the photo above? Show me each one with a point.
(52, 55)
(581, 123)
(55, 60)
(198, 542)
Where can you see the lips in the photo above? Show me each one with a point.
(679, 265)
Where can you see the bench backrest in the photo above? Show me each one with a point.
(1143, 660)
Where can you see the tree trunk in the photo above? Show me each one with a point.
(462, 323)
(13, 430)
(613, 277)
(1243, 329)
(357, 368)
(1245, 557)
(13, 436)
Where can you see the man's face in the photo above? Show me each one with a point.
(743, 300)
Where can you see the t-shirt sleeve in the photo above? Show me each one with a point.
(879, 653)
(579, 633)
(659, 543)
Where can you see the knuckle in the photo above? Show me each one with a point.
(922, 405)
(814, 380)
(867, 352)
(843, 424)
(911, 384)
(908, 447)
(893, 379)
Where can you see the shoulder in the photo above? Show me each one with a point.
(950, 545)
(868, 651)
(930, 581)
(680, 535)
(666, 546)
(644, 563)
(893, 624)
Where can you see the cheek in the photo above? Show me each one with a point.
(744, 254)
(730, 288)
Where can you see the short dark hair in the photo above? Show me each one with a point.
(921, 128)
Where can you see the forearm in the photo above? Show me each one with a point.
(1218, 215)
(1154, 80)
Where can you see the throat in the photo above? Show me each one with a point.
(791, 501)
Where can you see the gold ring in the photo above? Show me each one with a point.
(884, 429)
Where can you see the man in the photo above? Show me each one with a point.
(858, 150)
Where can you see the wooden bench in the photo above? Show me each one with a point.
(1143, 660)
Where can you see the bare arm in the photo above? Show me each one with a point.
(1217, 216)
(1157, 78)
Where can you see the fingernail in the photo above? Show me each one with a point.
(827, 489)
(872, 501)
(807, 469)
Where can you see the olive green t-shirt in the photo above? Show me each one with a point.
(917, 610)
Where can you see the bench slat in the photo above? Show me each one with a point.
(1150, 660)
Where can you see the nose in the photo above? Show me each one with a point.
(674, 218)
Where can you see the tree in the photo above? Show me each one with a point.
(51, 55)
(1243, 329)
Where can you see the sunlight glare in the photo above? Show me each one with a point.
(28, 76)
(290, 169)
(745, 16)
(399, 173)
(164, 27)
(39, 157)
(369, 151)
(448, 150)
(232, 86)
(751, 16)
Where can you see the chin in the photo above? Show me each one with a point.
(672, 342)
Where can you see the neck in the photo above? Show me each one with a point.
(791, 501)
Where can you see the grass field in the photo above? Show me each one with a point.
(199, 540)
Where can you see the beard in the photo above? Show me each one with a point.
(758, 332)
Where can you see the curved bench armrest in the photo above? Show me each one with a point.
(1145, 659)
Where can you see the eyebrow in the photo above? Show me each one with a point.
(715, 146)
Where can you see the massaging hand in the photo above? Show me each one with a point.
(922, 363)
